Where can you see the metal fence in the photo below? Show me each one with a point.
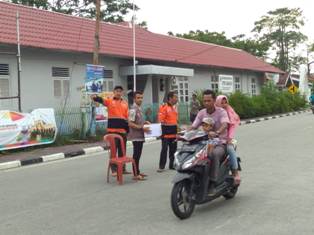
(71, 120)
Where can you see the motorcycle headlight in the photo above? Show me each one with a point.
(188, 163)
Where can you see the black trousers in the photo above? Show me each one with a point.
(165, 143)
(137, 152)
(119, 148)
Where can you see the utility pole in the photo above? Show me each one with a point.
(92, 129)
(96, 41)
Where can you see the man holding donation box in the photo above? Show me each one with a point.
(137, 130)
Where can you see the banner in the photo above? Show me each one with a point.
(19, 130)
(94, 78)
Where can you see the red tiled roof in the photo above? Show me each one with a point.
(44, 29)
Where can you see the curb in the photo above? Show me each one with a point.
(273, 117)
(97, 149)
(58, 156)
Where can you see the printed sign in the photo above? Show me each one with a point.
(19, 130)
(226, 83)
(94, 78)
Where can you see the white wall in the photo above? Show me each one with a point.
(37, 82)
(202, 79)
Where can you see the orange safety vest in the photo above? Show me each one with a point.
(168, 117)
(118, 112)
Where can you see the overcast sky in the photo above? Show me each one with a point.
(233, 17)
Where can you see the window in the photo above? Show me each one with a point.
(61, 81)
(253, 86)
(183, 89)
(237, 84)
(4, 80)
(108, 73)
(108, 80)
(4, 87)
(214, 83)
(4, 70)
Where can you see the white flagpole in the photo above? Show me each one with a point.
(134, 59)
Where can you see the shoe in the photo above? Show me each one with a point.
(160, 170)
(127, 172)
(144, 175)
(171, 168)
(211, 190)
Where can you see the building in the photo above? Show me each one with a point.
(55, 49)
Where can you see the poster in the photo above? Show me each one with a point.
(94, 80)
(19, 130)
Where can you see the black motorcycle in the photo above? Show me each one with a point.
(192, 179)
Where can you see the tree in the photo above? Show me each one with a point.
(206, 36)
(111, 11)
(41, 4)
(258, 48)
(255, 47)
(281, 28)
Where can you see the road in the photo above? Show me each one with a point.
(72, 196)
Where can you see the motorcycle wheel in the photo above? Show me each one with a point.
(231, 193)
(181, 202)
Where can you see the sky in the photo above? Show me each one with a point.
(232, 17)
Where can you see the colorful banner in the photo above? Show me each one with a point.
(19, 130)
(94, 78)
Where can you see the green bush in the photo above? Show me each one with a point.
(242, 104)
(270, 101)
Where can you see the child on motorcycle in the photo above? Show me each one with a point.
(222, 101)
(207, 126)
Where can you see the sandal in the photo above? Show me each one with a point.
(139, 177)
(237, 179)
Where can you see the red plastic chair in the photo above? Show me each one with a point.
(115, 160)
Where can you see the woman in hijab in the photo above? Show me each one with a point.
(222, 101)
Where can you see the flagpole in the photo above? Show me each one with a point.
(134, 59)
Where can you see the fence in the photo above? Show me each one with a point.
(71, 120)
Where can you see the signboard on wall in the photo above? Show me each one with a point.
(19, 130)
(94, 80)
(226, 84)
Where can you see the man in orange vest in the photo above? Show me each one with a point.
(117, 116)
(168, 117)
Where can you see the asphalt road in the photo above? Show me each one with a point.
(72, 196)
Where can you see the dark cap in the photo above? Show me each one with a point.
(117, 88)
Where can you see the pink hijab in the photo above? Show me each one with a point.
(233, 116)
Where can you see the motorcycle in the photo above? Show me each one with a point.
(192, 178)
